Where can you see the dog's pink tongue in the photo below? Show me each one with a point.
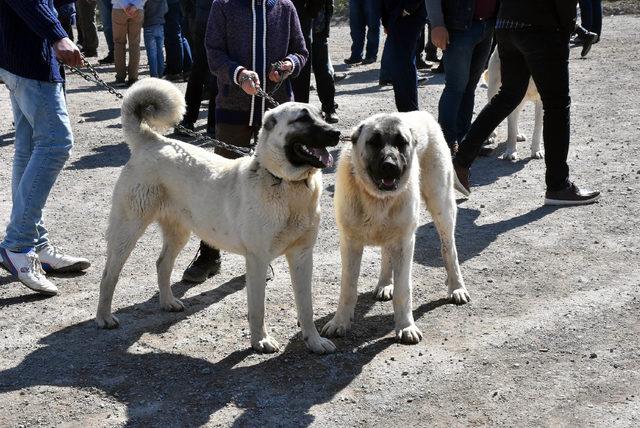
(324, 156)
(389, 181)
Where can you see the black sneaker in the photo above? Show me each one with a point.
(587, 41)
(369, 60)
(571, 195)
(337, 77)
(331, 117)
(351, 61)
(89, 54)
(189, 125)
(120, 82)
(205, 265)
(384, 82)
(107, 59)
(173, 77)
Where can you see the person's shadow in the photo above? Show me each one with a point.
(471, 239)
(167, 389)
(106, 156)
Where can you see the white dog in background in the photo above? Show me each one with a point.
(493, 80)
(260, 206)
(393, 159)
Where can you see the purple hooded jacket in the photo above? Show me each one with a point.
(251, 34)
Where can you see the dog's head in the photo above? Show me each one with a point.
(382, 154)
(293, 141)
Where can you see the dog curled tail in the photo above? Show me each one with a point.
(150, 104)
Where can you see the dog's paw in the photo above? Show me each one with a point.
(383, 294)
(107, 322)
(460, 296)
(320, 345)
(520, 138)
(337, 327)
(172, 305)
(537, 154)
(410, 335)
(268, 345)
(509, 155)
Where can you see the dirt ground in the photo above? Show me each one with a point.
(549, 339)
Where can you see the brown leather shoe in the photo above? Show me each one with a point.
(461, 179)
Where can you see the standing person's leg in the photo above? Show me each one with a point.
(515, 80)
(211, 112)
(385, 77)
(159, 41)
(199, 73)
(357, 27)
(586, 14)
(207, 261)
(372, 13)
(187, 55)
(119, 22)
(133, 31)
(402, 61)
(150, 47)
(87, 10)
(301, 83)
(43, 141)
(547, 55)
(173, 41)
(324, 78)
(479, 58)
(596, 13)
(457, 64)
(105, 7)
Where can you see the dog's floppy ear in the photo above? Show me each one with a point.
(269, 123)
(356, 134)
(414, 137)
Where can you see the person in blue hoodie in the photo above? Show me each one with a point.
(32, 45)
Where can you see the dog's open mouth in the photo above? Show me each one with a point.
(387, 184)
(317, 157)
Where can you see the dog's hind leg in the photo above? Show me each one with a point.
(122, 236)
(256, 283)
(301, 268)
(511, 152)
(441, 204)
(402, 260)
(536, 141)
(351, 255)
(384, 289)
(175, 237)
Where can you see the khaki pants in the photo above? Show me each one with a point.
(126, 27)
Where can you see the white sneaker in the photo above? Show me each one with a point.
(28, 269)
(53, 260)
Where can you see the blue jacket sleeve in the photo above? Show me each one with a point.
(297, 51)
(216, 43)
(39, 17)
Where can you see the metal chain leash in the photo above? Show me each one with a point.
(94, 77)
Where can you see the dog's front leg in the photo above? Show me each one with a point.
(256, 284)
(406, 329)
(301, 268)
(351, 255)
(536, 141)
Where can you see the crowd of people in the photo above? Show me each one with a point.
(231, 49)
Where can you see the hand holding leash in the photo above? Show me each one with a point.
(280, 70)
(67, 52)
(249, 82)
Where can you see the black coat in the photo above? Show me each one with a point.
(553, 14)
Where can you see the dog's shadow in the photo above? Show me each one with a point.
(471, 239)
(182, 390)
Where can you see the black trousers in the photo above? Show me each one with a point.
(200, 75)
(322, 71)
(543, 55)
(300, 84)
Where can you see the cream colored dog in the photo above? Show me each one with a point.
(493, 79)
(393, 160)
(260, 206)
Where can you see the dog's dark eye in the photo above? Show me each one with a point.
(400, 142)
(375, 141)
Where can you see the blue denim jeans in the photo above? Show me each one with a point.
(42, 145)
(154, 44)
(364, 18)
(464, 61)
(105, 16)
(178, 51)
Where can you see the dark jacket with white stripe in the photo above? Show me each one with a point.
(251, 34)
